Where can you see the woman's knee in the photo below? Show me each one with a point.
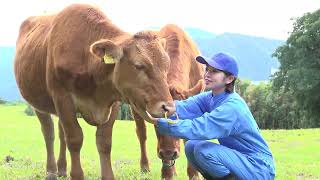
(204, 148)
(208, 155)
(189, 147)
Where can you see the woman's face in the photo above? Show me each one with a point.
(216, 79)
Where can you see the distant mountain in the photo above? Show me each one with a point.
(199, 33)
(8, 87)
(253, 55)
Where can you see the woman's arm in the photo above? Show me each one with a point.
(216, 124)
(192, 107)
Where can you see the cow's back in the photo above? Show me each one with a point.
(184, 71)
(30, 62)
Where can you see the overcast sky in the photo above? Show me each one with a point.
(265, 18)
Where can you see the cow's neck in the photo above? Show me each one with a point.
(103, 73)
(106, 30)
(96, 106)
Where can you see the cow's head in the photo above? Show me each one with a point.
(140, 71)
(183, 71)
(168, 147)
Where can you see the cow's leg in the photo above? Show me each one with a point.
(47, 129)
(104, 142)
(192, 172)
(62, 162)
(142, 136)
(72, 130)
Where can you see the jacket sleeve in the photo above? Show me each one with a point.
(218, 123)
(192, 107)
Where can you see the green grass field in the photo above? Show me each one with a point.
(296, 152)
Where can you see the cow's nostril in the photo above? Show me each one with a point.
(175, 155)
(161, 154)
(168, 154)
(168, 107)
(165, 108)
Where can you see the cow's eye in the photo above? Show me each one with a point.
(139, 66)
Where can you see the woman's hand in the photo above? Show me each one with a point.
(151, 119)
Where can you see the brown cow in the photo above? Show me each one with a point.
(60, 69)
(185, 78)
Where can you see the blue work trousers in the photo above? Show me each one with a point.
(215, 161)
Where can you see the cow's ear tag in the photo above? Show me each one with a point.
(107, 59)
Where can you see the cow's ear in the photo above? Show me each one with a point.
(107, 51)
(198, 88)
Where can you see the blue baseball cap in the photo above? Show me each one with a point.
(221, 62)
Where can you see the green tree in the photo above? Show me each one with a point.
(2, 101)
(241, 86)
(273, 109)
(125, 112)
(299, 71)
(29, 111)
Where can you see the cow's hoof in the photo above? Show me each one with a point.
(51, 176)
(168, 178)
(145, 169)
(195, 177)
(77, 177)
(107, 178)
(62, 174)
